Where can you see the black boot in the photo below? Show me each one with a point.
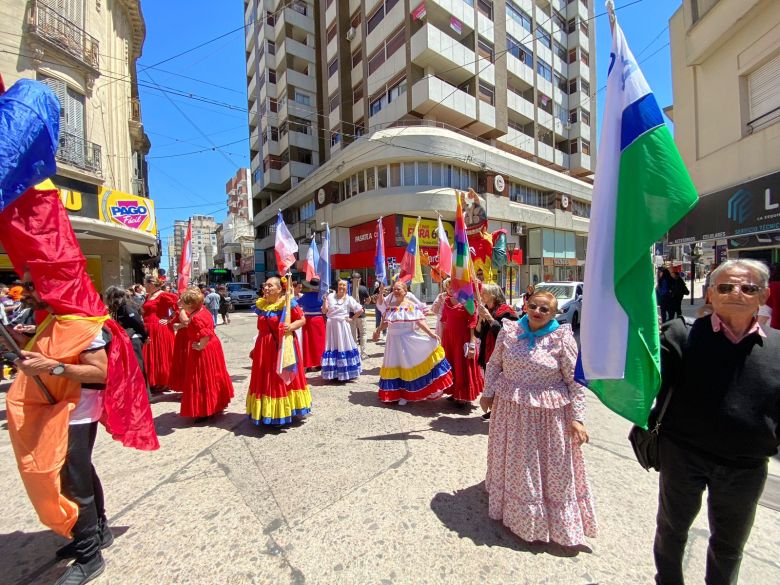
(83, 572)
(104, 534)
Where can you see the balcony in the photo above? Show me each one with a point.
(432, 47)
(520, 105)
(452, 106)
(53, 28)
(80, 153)
(301, 81)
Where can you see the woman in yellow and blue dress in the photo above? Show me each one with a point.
(414, 367)
(270, 401)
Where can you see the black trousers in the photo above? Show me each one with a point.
(81, 485)
(733, 495)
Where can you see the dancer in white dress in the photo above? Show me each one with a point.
(341, 359)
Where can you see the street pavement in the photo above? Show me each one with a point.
(359, 493)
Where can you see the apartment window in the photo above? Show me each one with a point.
(357, 57)
(763, 95)
(272, 76)
(376, 18)
(360, 128)
(584, 58)
(333, 66)
(361, 182)
(72, 115)
(544, 69)
(395, 42)
(301, 98)
(381, 176)
(572, 86)
(335, 102)
(307, 210)
(485, 49)
(370, 179)
(357, 93)
(423, 173)
(584, 27)
(331, 33)
(487, 93)
(273, 105)
(355, 20)
(560, 82)
(516, 48)
(585, 87)
(396, 90)
(572, 55)
(376, 105)
(436, 175)
(586, 147)
(560, 51)
(408, 169)
(395, 175)
(571, 25)
(573, 146)
(270, 18)
(485, 8)
(559, 20)
(518, 15)
(585, 117)
(376, 61)
(271, 47)
(543, 37)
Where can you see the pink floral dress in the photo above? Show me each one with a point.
(536, 479)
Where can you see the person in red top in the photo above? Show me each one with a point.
(460, 347)
(158, 351)
(207, 387)
(181, 348)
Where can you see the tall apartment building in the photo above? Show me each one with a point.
(204, 243)
(726, 81)
(235, 251)
(409, 99)
(86, 52)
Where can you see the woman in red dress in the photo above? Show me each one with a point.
(460, 347)
(181, 349)
(158, 350)
(271, 401)
(207, 386)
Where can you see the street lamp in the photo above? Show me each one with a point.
(696, 253)
(511, 248)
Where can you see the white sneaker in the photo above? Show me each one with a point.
(401, 402)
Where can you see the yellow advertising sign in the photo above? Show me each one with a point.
(428, 227)
(128, 210)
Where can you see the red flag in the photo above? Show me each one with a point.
(185, 262)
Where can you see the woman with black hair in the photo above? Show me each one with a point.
(125, 312)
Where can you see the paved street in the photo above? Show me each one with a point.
(359, 493)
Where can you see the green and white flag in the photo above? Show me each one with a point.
(641, 190)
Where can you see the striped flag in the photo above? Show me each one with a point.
(411, 269)
(323, 266)
(461, 280)
(285, 246)
(185, 262)
(641, 190)
(380, 264)
(312, 257)
(445, 251)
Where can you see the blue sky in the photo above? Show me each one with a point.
(185, 182)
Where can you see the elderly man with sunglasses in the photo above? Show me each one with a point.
(721, 425)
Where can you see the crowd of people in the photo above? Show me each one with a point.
(520, 368)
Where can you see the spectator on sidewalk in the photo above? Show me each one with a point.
(678, 291)
(663, 294)
(721, 424)
(212, 302)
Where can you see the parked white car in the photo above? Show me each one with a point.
(569, 295)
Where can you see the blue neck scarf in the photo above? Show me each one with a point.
(525, 330)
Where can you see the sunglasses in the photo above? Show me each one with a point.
(542, 309)
(729, 287)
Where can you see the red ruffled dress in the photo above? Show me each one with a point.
(468, 380)
(270, 401)
(158, 351)
(207, 386)
(181, 353)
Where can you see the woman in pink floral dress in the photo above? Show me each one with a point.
(536, 479)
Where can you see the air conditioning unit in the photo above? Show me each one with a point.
(351, 34)
(518, 229)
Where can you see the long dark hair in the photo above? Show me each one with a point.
(115, 298)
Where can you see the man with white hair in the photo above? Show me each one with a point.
(721, 425)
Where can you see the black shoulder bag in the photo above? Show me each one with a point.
(645, 442)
